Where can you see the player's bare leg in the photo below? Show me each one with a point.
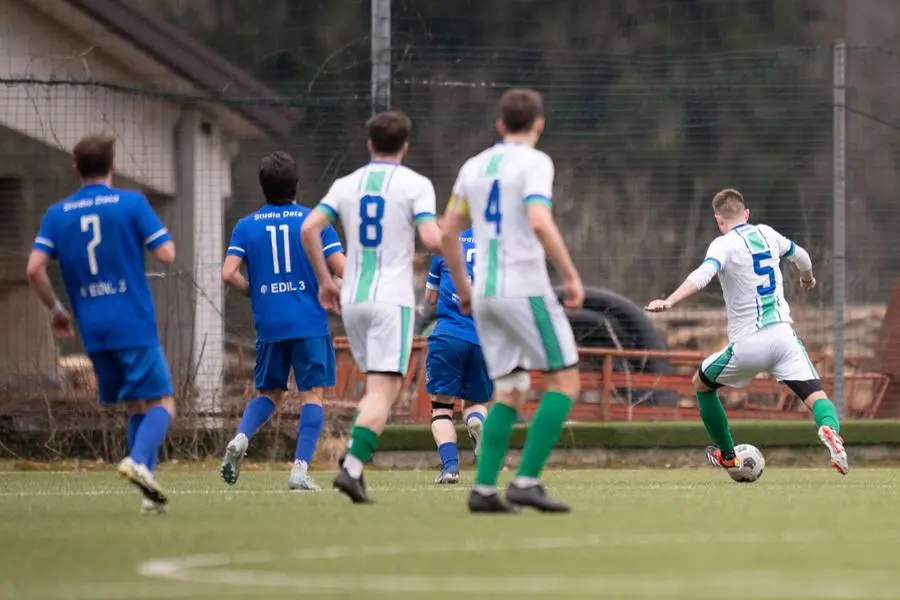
(543, 434)
(148, 440)
(382, 390)
(474, 416)
(829, 426)
(444, 434)
(309, 431)
(259, 410)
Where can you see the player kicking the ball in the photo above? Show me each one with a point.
(99, 235)
(746, 258)
(506, 192)
(291, 325)
(380, 205)
(455, 367)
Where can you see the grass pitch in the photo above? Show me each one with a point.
(682, 535)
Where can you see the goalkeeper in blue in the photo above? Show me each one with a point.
(455, 366)
(98, 235)
(747, 260)
(291, 326)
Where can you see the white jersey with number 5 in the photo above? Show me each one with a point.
(494, 188)
(747, 260)
(379, 206)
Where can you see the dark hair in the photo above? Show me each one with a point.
(519, 109)
(388, 131)
(278, 178)
(94, 155)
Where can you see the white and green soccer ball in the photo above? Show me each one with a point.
(752, 464)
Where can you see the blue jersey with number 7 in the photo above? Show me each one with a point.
(284, 292)
(98, 235)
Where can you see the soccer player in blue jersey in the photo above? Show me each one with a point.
(455, 367)
(98, 235)
(291, 325)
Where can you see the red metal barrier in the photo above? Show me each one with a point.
(415, 404)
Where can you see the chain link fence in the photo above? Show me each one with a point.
(641, 143)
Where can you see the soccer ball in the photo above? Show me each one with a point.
(752, 464)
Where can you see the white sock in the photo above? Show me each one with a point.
(526, 482)
(301, 467)
(354, 466)
(486, 490)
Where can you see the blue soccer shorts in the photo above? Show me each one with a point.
(311, 358)
(456, 368)
(132, 375)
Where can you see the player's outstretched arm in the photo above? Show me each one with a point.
(544, 227)
(165, 253)
(800, 259)
(311, 236)
(695, 282)
(36, 271)
(232, 276)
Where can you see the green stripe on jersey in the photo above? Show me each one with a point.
(756, 241)
(493, 166)
(715, 369)
(768, 312)
(374, 182)
(405, 339)
(366, 274)
(493, 267)
(544, 322)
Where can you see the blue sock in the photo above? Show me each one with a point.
(258, 411)
(312, 421)
(449, 456)
(150, 435)
(134, 423)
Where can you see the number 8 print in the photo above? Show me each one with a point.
(371, 212)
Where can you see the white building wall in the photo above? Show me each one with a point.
(32, 47)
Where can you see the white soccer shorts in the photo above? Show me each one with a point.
(775, 349)
(524, 333)
(380, 336)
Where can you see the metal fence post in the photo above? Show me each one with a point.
(381, 55)
(840, 218)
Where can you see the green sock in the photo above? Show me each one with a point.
(543, 433)
(495, 437)
(715, 420)
(825, 414)
(363, 442)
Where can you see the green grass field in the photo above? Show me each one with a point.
(677, 534)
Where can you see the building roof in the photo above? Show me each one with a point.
(180, 53)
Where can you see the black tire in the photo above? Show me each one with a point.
(632, 329)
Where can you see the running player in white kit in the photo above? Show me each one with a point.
(380, 205)
(746, 258)
(506, 192)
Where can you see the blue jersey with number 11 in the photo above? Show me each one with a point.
(451, 321)
(284, 292)
(98, 235)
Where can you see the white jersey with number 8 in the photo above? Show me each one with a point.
(494, 188)
(379, 206)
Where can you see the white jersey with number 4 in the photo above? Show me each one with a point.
(494, 188)
(747, 261)
(379, 206)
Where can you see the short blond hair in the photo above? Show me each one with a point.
(728, 204)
